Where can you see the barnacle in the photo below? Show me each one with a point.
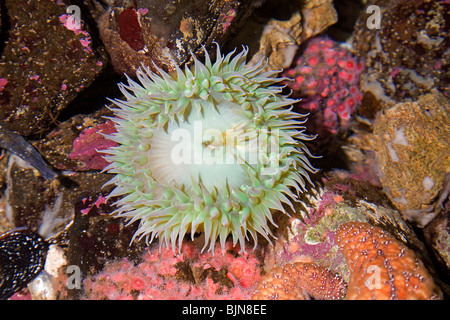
(214, 148)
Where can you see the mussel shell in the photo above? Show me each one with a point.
(22, 257)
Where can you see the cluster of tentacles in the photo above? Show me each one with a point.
(381, 268)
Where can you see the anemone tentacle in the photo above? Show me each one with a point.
(214, 148)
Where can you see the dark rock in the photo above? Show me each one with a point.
(45, 63)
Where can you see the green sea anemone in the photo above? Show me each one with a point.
(215, 148)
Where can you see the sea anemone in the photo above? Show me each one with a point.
(213, 149)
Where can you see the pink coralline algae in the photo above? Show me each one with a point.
(100, 200)
(326, 78)
(3, 83)
(190, 274)
(91, 140)
(76, 26)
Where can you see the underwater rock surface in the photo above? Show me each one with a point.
(412, 148)
(383, 113)
(45, 63)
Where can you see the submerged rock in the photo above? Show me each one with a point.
(411, 143)
(45, 64)
(405, 47)
(161, 34)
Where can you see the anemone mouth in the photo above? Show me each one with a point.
(208, 148)
(212, 149)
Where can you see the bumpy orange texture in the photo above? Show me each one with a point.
(382, 267)
(300, 281)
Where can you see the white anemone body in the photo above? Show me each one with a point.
(213, 149)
